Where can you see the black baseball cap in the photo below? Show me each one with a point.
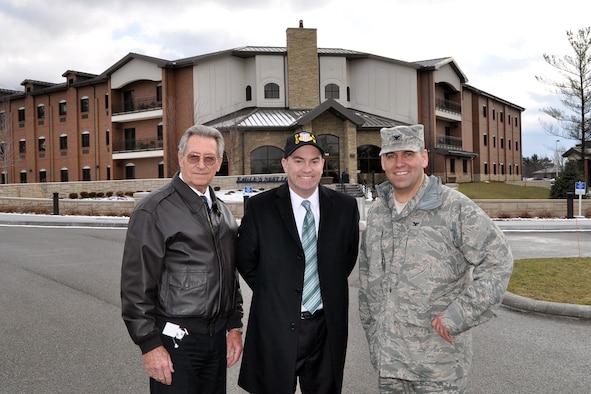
(299, 139)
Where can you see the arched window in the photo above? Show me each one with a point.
(332, 91)
(130, 171)
(330, 144)
(368, 159)
(266, 160)
(271, 91)
(248, 93)
(86, 173)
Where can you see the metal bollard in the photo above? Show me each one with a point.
(56, 204)
(569, 205)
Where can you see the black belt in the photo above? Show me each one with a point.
(307, 315)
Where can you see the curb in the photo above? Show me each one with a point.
(546, 307)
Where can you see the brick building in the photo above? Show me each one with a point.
(125, 123)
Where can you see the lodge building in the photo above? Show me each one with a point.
(126, 122)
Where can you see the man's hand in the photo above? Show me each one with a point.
(159, 365)
(438, 325)
(234, 347)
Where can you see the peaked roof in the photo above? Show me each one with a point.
(333, 107)
(436, 64)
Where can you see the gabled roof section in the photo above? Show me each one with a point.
(131, 56)
(79, 74)
(333, 107)
(286, 119)
(436, 64)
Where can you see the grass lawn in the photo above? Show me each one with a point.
(564, 280)
(500, 190)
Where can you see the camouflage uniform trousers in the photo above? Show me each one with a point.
(398, 386)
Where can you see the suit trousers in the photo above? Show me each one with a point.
(314, 364)
(199, 365)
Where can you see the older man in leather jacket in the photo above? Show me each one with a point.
(180, 293)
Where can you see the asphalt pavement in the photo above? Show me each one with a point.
(62, 330)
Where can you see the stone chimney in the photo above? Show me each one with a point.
(302, 68)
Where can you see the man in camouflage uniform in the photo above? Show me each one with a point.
(432, 266)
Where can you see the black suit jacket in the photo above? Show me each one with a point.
(271, 260)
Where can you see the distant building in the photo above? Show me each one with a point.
(576, 154)
(125, 123)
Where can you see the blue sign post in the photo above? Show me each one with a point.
(580, 190)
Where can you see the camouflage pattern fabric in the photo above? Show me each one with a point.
(441, 255)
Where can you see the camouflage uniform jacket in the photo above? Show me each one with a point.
(441, 255)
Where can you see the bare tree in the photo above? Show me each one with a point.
(574, 123)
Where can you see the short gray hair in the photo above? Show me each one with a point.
(203, 131)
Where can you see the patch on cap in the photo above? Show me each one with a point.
(298, 140)
(402, 138)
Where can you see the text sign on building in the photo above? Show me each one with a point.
(580, 188)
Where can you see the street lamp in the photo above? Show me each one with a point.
(557, 157)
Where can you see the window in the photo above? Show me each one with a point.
(502, 169)
(42, 176)
(22, 146)
(271, 91)
(485, 140)
(485, 168)
(159, 93)
(516, 169)
(484, 111)
(41, 111)
(2, 149)
(452, 165)
(64, 174)
(509, 144)
(106, 101)
(108, 137)
(516, 145)
(501, 116)
(493, 113)
(41, 144)
(86, 173)
(63, 141)
(63, 108)
(161, 170)
(85, 139)
(129, 139)
(348, 93)
(465, 166)
(159, 132)
(2, 120)
(494, 141)
(130, 171)
(21, 114)
(508, 119)
(515, 121)
(266, 160)
(248, 93)
(129, 100)
(84, 104)
(332, 91)
(368, 159)
(494, 168)
(502, 143)
(23, 176)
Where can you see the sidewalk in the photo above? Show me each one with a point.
(509, 225)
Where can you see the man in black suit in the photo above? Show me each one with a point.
(293, 329)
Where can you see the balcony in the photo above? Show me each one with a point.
(139, 105)
(448, 109)
(448, 142)
(137, 145)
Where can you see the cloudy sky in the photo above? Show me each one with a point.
(499, 45)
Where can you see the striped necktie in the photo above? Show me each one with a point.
(206, 203)
(311, 297)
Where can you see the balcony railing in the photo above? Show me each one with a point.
(136, 145)
(139, 105)
(448, 106)
(449, 142)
